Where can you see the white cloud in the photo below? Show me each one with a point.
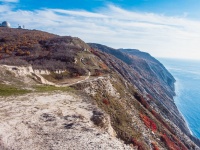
(79, 13)
(160, 35)
(4, 8)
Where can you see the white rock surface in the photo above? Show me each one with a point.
(56, 121)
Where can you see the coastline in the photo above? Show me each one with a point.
(175, 98)
(186, 89)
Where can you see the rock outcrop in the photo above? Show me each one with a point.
(55, 121)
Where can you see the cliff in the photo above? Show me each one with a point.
(67, 93)
(152, 80)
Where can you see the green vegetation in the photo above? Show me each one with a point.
(8, 90)
(48, 88)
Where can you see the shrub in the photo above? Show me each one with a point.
(138, 144)
(154, 113)
(103, 66)
(106, 101)
(97, 72)
(148, 122)
(159, 118)
(172, 143)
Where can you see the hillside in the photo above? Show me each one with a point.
(151, 78)
(66, 93)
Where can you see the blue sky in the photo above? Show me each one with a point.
(167, 7)
(164, 28)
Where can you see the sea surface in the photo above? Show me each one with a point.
(187, 86)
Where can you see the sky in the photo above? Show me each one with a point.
(163, 28)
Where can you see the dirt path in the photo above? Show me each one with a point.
(24, 73)
(79, 81)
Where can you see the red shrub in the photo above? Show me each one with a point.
(138, 144)
(180, 144)
(103, 66)
(172, 144)
(159, 118)
(155, 114)
(98, 72)
(148, 122)
(106, 102)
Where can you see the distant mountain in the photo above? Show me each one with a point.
(85, 96)
(159, 70)
(140, 54)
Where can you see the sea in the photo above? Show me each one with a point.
(187, 88)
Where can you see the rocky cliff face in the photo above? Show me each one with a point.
(151, 78)
(85, 96)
